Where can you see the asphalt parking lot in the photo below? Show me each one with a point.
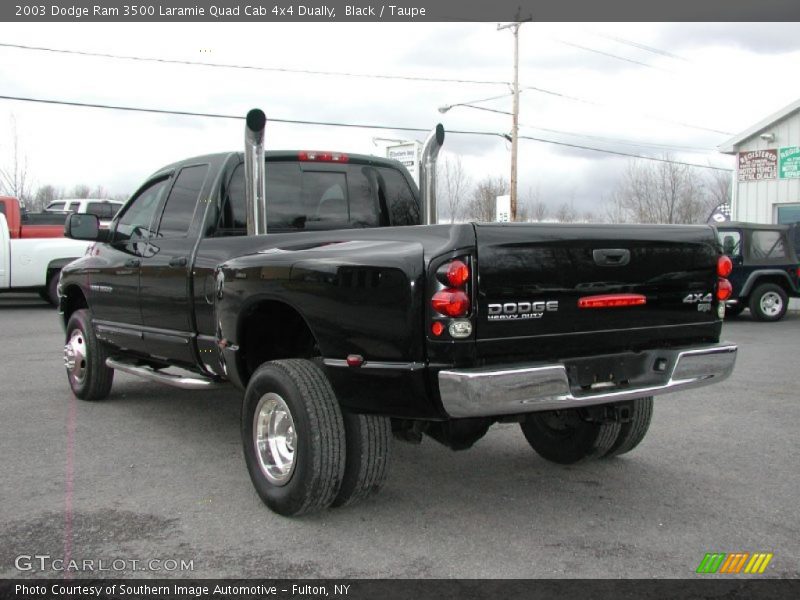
(157, 473)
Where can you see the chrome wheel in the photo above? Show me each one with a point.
(771, 304)
(75, 356)
(274, 438)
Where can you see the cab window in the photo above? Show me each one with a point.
(179, 210)
(135, 222)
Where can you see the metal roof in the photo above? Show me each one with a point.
(730, 147)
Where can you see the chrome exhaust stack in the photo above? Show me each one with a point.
(254, 172)
(427, 174)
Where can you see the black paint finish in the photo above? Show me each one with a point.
(205, 300)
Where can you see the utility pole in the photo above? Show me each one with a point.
(514, 27)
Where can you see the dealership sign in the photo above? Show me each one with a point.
(789, 162)
(758, 164)
(408, 155)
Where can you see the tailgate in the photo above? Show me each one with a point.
(532, 279)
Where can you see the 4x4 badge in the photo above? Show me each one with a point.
(695, 298)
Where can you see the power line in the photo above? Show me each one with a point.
(642, 156)
(339, 124)
(628, 142)
(185, 113)
(641, 46)
(646, 115)
(253, 67)
(340, 74)
(630, 60)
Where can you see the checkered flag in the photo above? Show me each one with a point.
(720, 214)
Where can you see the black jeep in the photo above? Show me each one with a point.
(765, 268)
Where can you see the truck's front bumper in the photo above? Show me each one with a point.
(524, 388)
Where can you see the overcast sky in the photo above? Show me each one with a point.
(722, 77)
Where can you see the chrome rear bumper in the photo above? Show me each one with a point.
(517, 389)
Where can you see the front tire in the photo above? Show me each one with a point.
(85, 359)
(769, 302)
(293, 437)
(567, 436)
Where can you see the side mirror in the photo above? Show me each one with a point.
(83, 227)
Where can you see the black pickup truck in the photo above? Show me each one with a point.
(319, 284)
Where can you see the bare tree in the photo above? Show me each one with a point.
(14, 176)
(483, 206)
(80, 191)
(532, 207)
(663, 192)
(44, 195)
(539, 211)
(718, 185)
(613, 211)
(454, 186)
(566, 213)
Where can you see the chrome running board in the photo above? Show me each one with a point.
(193, 382)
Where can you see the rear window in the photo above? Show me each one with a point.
(301, 198)
(103, 210)
(767, 245)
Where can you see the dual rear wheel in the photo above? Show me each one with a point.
(302, 451)
(571, 436)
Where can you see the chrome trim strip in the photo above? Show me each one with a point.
(403, 366)
(530, 388)
(187, 383)
(598, 331)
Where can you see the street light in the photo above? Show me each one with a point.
(444, 109)
(514, 130)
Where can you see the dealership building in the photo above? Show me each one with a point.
(766, 186)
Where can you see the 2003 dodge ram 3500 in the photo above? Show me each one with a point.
(307, 280)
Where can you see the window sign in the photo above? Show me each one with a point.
(757, 165)
(789, 162)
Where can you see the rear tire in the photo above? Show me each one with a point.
(85, 359)
(768, 302)
(369, 444)
(293, 437)
(566, 437)
(632, 432)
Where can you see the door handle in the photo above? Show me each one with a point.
(617, 257)
(178, 261)
(133, 262)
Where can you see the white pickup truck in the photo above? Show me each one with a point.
(32, 254)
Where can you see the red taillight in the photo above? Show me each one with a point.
(455, 273)
(450, 302)
(724, 289)
(437, 328)
(724, 266)
(313, 156)
(612, 301)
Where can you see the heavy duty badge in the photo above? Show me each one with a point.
(521, 310)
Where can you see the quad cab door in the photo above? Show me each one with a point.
(165, 279)
(114, 289)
